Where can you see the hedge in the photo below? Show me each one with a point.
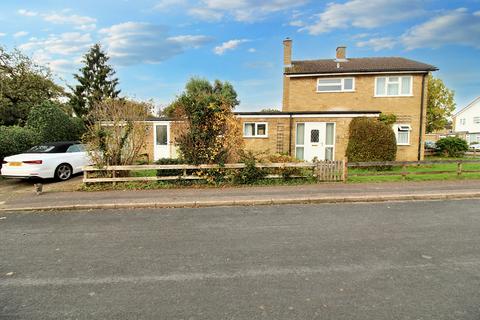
(15, 139)
(452, 146)
(371, 140)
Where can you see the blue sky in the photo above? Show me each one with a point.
(157, 45)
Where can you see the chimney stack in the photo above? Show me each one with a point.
(287, 52)
(341, 53)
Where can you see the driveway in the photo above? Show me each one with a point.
(411, 260)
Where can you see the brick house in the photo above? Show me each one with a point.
(320, 99)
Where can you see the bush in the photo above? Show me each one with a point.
(452, 146)
(250, 173)
(371, 140)
(14, 139)
(286, 173)
(52, 124)
(169, 173)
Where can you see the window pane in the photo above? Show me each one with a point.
(299, 153)
(348, 84)
(261, 129)
(393, 79)
(249, 129)
(380, 87)
(406, 82)
(329, 153)
(402, 137)
(329, 81)
(314, 136)
(329, 134)
(300, 136)
(161, 135)
(330, 88)
(392, 89)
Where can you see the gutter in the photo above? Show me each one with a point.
(422, 108)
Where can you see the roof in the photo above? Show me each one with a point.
(367, 65)
(471, 104)
(260, 113)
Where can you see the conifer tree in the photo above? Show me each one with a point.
(96, 82)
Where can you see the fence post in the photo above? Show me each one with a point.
(404, 171)
(114, 175)
(345, 170)
(317, 169)
(85, 175)
(459, 168)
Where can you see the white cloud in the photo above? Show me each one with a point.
(63, 44)
(378, 44)
(364, 14)
(252, 50)
(228, 45)
(167, 4)
(2, 34)
(457, 27)
(20, 34)
(296, 23)
(83, 23)
(27, 13)
(242, 10)
(133, 42)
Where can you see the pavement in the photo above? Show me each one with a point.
(231, 196)
(400, 260)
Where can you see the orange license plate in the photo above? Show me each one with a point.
(14, 164)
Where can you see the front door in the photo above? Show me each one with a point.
(161, 140)
(314, 140)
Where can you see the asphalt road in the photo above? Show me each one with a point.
(411, 260)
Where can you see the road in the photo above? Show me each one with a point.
(410, 260)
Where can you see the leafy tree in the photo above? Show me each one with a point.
(96, 82)
(270, 110)
(440, 104)
(16, 139)
(199, 87)
(371, 140)
(209, 133)
(23, 84)
(52, 124)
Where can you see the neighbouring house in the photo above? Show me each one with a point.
(467, 122)
(320, 99)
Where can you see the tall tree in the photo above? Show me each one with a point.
(440, 104)
(23, 84)
(96, 82)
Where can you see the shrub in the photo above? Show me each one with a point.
(452, 146)
(388, 118)
(250, 173)
(52, 124)
(14, 139)
(286, 173)
(371, 140)
(168, 172)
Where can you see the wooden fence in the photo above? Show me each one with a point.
(326, 171)
(404, 165)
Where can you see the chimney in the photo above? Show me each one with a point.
(287, 52)
(341, 53)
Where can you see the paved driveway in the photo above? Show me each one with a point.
(415, 260)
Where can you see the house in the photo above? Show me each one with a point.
(320, 99)
(467, 122)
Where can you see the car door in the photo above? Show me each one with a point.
(75, 157)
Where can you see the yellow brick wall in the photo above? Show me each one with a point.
(300, 94)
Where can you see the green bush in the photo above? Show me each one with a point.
(371, 140)
(250, 173)
(169, 173)
(52, 124)
(452, 146)
(14, 139)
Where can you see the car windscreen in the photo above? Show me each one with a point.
(48, 149)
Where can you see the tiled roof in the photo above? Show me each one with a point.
(385, 64)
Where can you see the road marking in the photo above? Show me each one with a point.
(268, 272)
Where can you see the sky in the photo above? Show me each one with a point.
(156, 46)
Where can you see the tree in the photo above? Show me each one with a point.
(96, 82)
(273, 110)
(23, 84)
(117, 133)
(209, 132)
(440, 104)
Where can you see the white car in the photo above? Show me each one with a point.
(475, 146)
(59, 160)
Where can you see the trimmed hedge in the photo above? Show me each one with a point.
(53, 124)
(371, 140)
(15, 139)
(452, 146)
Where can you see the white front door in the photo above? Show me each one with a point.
(314, 140)
(161, 137)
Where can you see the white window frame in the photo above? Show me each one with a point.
(463, 121)
(407, 128)
(256, 124)
(387, 82)
(342, 84)
(334, 139)
(476, 120)
(299, 145)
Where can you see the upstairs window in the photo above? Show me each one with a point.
(336, 85)
(393, 86)
(463, 121)
(255, 130)
(476, 120)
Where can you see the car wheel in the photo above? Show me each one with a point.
(63, 172)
